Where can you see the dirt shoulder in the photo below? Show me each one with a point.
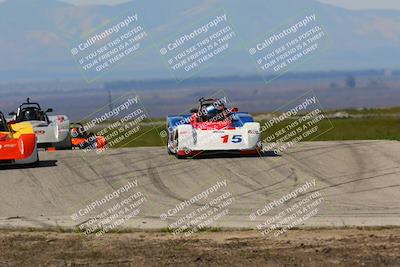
(340, 247)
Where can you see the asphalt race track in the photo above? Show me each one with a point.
(359, 181)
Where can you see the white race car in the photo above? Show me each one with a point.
(213, 128)
(51, 131)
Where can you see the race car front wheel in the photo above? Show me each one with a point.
(172, 146)
(34, 164)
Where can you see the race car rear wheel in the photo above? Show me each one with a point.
(65, 144)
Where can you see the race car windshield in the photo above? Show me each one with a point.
(30, 114)
(3, 124)
(213, 113)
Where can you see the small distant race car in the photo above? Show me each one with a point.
(17, 143)
(213, 128)
(84, 140)
(51, 131)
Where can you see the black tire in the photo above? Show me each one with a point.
(170, 152)
(34, 164)
(168, 149)
(66, 144)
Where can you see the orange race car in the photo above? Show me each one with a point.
(17, 143)
(84, 140)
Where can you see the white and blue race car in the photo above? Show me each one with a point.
(213, 129)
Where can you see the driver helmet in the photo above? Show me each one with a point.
(74, 132)
(28, 114)
(212, 111)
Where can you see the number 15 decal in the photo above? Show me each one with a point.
(235, 139)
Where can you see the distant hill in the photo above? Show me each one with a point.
(36, 35)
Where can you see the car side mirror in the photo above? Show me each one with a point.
(194, 110)
(49, 110)
(12, 113)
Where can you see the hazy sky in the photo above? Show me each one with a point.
(362, 4)
(353, 4)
